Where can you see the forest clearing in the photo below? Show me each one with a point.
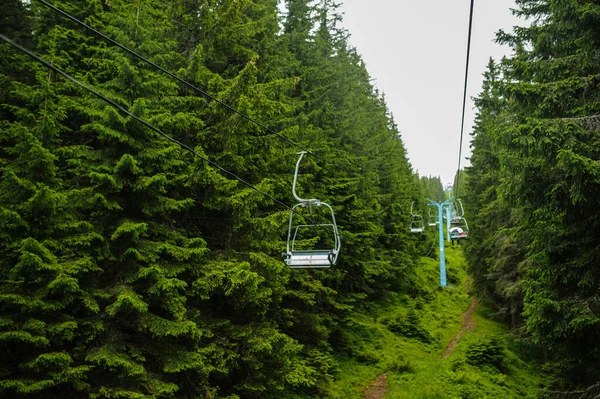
(205, 199)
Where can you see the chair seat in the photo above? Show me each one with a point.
(308, 259)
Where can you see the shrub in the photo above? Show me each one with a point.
(488, 351)
(368, 357)
(401, 365)
(408, 326)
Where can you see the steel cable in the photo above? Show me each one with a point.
(142, 121)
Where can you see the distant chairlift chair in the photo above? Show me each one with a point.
(314, 258)
(417, 224)
(433, 218)
(459, 229)
(460, 232)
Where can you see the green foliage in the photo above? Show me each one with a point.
(408, 325)
(416, 369)
(488, 351)
(532, 186)
(433, 188)
(401, 365)
(129, 268)
(367, 357)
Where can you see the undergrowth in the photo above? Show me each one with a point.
(406, 335)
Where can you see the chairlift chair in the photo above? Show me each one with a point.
(455, 221)
(417, 224)
(312, 258)
(458, 220)
(432, 219)
(460, 232)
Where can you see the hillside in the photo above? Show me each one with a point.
(409, 339)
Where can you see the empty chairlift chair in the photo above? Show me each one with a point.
(433, 218)
(417, 224)
(456, 214)
(310, 258)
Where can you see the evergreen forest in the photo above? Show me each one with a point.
(147, 158)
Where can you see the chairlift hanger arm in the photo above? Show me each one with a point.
(462, 209)
(312, 200)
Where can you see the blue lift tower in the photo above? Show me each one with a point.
(440, 206)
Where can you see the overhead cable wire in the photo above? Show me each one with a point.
(464, 105)
(591, 123)
(182, 81)
(431, 249)
(142, 121)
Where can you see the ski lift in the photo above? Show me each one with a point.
(459, 229)
(460, 232)
(432, 219)
(417, 225)
(311, 258)
(454, 217)
(455, 221)
(462, 210)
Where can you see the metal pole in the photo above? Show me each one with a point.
(448, 222)
(440, 206)
(442, 254)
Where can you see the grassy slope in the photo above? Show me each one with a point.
(414, 362)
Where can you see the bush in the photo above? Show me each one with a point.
(401, 365)
(340, 341)
(487, 351)
(368, 357)
(408, 326)
(457, 364)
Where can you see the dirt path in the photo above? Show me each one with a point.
(378, 388)
(468, 323)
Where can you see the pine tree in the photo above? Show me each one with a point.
(494, 217)
(433, 188)
(132, 269)
(47, 246)
(548, 175)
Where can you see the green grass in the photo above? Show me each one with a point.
(424, 323)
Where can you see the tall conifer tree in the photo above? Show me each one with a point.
(546, 155)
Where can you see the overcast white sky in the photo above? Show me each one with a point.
(415, 50)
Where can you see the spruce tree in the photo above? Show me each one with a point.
(546, 223)
(132, 269)
(494, 218)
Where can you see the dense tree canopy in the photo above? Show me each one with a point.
(131, 269)
(534, 182)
